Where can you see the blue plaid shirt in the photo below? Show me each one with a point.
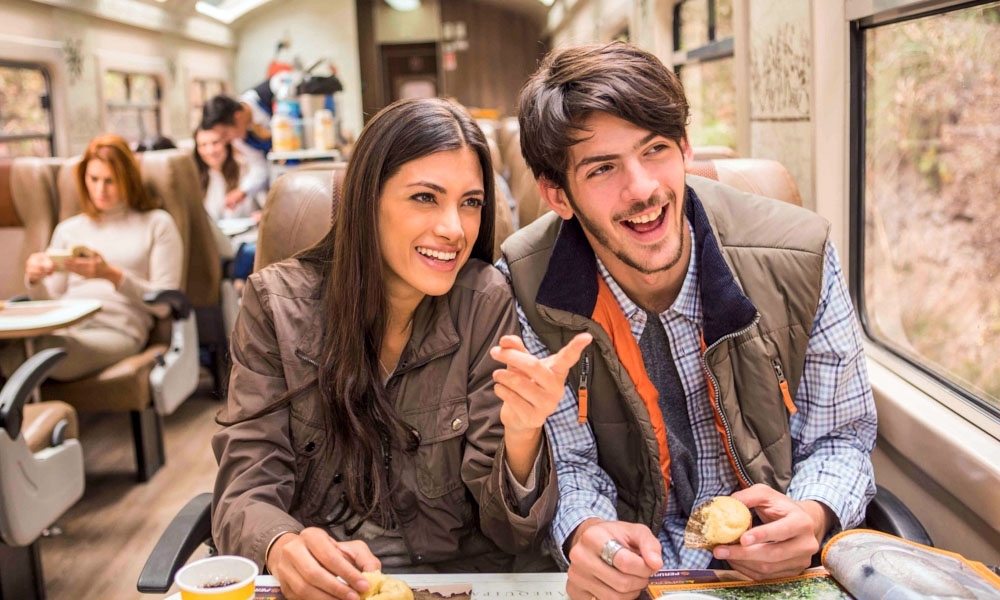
(833, 432)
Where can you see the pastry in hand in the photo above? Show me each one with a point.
(383, 587)
(721, 520)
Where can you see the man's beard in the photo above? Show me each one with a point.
(604, 239)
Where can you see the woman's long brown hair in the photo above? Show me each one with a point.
(361, 419)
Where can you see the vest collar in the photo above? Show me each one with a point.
(570, 281)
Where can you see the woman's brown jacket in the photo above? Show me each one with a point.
(281, 471)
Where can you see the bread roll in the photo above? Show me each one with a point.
(721, 520)
(383, 587)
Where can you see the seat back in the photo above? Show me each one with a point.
(27, 216)
(299, 212)
(712, 152)
(760, 176)
(172, 176)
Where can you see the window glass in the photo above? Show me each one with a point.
(25, 117)
(693, 28)
(931, 278)
(199, 92)
(712, 100)
(115, 87)
(723, 19)
(132, 106)
(144, 89)
(701, 30)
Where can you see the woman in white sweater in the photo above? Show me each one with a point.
(132, 247)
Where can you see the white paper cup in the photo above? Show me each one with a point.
(218, 578)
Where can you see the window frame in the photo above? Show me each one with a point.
(201, 81)
(713, 50)
(859, 22)
(46, 104)
(156, 106)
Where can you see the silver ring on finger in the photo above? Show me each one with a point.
(608, 551)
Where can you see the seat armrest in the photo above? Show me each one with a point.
(180, 306)
(190, 528)
(21, 384)
(888, 514)
(19, 298)
(175, 376)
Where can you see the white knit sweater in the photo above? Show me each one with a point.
(146, 246)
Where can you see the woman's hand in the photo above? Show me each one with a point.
(234, 198)
(94, 267)
(38, 267)
(308, 564)
(531, 387)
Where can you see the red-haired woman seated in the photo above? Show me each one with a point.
(118, 248)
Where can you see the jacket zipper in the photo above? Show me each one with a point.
(717, 405)
(783, 384)
(581, 390)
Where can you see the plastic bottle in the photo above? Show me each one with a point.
(286, 124)
(324, 137)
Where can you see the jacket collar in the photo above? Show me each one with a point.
(433, 335)
(570, 281)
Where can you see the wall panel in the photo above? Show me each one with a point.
(504, 49)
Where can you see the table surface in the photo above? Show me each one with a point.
(38, 317)
(550, 586)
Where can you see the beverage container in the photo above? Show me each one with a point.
(324, 137)
(283, 135)
(218, 578)
(286, 123)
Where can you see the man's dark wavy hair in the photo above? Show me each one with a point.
(571, 83)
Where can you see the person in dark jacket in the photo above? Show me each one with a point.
(726, 355)
(362, 429)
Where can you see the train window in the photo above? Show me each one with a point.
(929, 224)
(132, 102)
(199, 92)
(703, 59)
(25, 113)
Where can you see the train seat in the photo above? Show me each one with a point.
(710, 152)
(27, 216)
(507, 130)
(298, 212)
(760, 176)
(165, 373)
(173, 176)
(41, 473)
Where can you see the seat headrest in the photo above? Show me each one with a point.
(760, 176)
(8, 213)
(298, 213)
(300, 207)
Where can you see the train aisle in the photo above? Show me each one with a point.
(108, 534)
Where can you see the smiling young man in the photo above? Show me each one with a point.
(726, 356)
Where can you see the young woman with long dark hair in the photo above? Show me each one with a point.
(362, 428)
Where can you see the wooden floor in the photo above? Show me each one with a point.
(108, 534)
